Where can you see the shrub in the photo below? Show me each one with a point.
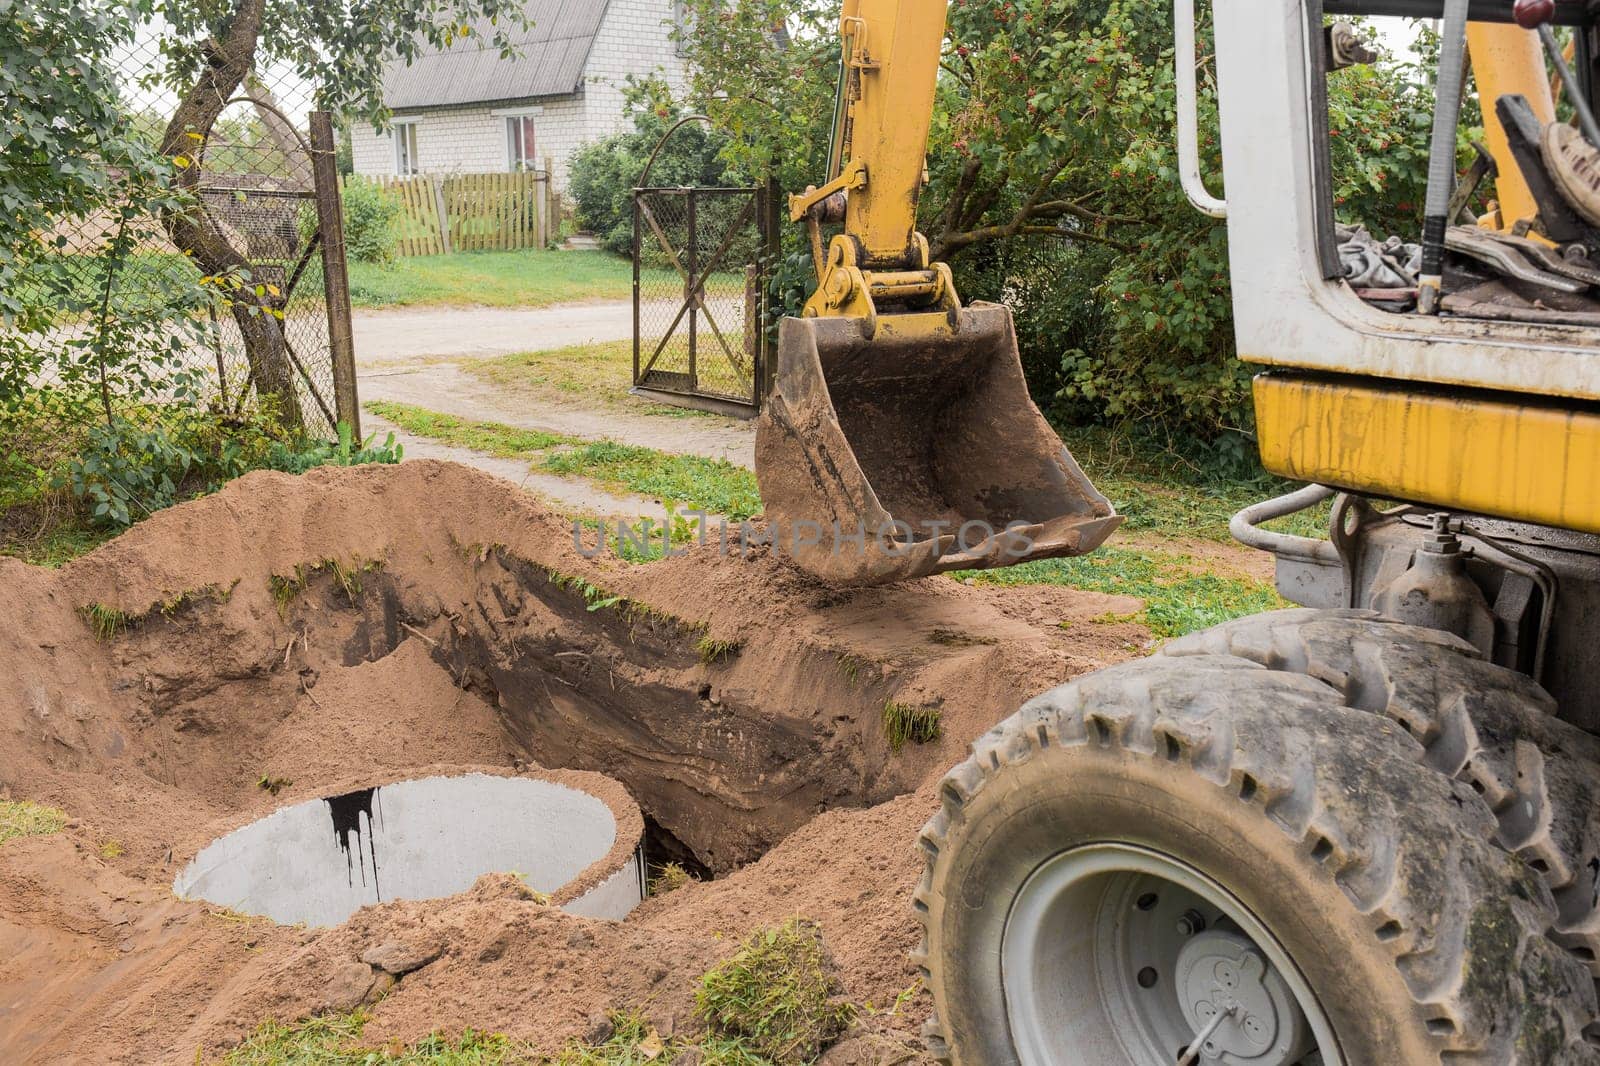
(131, 467)
(603, 174)
(371, 221)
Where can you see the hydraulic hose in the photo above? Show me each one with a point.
(1442, 152)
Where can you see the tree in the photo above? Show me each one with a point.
(210, 52)
(67, 153)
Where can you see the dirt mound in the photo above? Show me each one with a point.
(289, 636)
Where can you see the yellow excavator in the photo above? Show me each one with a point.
(898, 439)
(1363, 832)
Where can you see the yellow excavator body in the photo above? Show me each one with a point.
(899, 439)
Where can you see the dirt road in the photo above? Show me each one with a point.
(398, 357)
(482, 332)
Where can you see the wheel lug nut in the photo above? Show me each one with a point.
(1191, 922)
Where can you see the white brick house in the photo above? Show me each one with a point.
(466, 110)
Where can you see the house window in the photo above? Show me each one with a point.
(405, 148)
(520, 154)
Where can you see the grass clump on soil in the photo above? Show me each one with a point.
(334, 1040)
(105, 622)
(854, 667)
(716, 651)
(286, 588)
(24, 818)
(1179, 598)
(672, 877)
(776, 997)
(905, 724)
(526, 278)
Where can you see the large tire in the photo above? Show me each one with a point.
(1423, 940)
(1487, 726)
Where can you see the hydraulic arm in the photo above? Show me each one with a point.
(899, 438)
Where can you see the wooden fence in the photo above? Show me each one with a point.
(441, 214)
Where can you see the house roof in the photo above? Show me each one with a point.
(550, 59)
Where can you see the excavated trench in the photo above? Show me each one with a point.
(722, 761)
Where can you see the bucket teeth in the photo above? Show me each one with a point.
(916, 451)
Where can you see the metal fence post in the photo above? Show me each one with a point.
(689, 291)
(335, 274)
(636, 293)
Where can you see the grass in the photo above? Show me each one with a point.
(528, 278)
(603, 370)
(671, 878)
(690, 482)
(334, 1040)
(490, 438)
(105, 622)
(715, 486)
(1161, 492)
(713, 651)
(905, 724)
(777, 996)
(589, 373)
(286, 588)
(1179, 598)
(23, 818)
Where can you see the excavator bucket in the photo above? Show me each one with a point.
(915, 452)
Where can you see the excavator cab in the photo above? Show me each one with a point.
(899, 438)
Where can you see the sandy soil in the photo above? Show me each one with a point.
(467, 638)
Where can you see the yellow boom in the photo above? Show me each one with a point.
(899, 439)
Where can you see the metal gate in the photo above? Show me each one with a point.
(700, 266)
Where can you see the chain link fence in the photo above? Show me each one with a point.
(128, 317)
(701, 260)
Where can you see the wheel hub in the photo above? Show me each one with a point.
(1221, 973)
(1114, 953)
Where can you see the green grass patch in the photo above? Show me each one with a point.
(687, 482)
(23, 818)
(777, 996)
(593, 373)
(1160, 491)
(671, 878)
(905, 724)
(490, 438)
(693, 482)
(527, 278)
(717, 651)
(107, 622)
(1178, 598)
